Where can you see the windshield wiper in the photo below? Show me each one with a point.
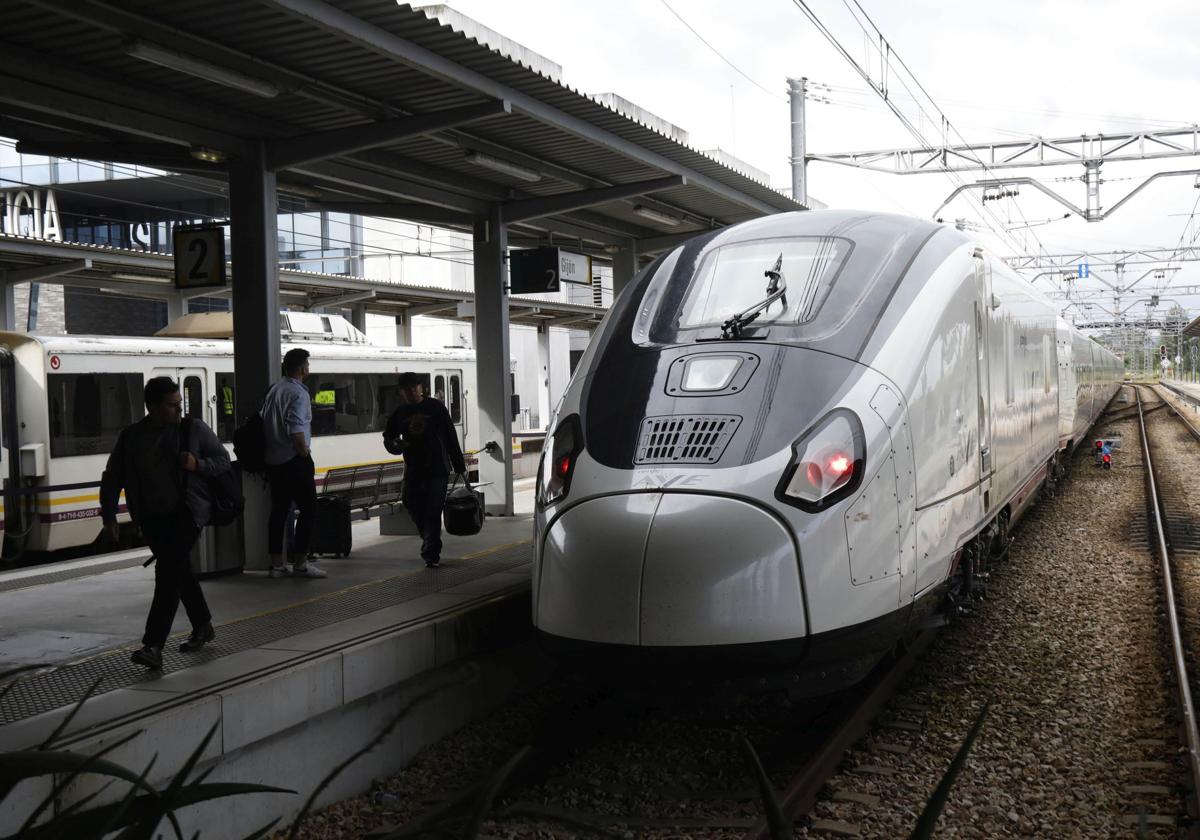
(776, 290)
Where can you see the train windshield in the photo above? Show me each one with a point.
(761, 284)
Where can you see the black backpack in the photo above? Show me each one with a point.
(250, 445)
(224, 490)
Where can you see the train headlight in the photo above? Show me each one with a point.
(558, 460)
(827, 463)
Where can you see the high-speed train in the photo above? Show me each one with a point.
(63, 399)
(790, 440)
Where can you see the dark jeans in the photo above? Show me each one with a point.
(292, 483)
(424, 498)
(171, 539)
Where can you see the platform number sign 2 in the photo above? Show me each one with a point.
(199, 256)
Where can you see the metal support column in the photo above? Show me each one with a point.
(544, 390)
(625, 266)
(176, 306)
(492, 367)
(403, 330)
(1092, 179)
(797, 88)
(358, 316)
(8, 307)
(256, 364)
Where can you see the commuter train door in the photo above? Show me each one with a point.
(983, 301)
(447, 387)
(192, 389)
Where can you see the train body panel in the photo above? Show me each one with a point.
(74, 393)
(798, 463)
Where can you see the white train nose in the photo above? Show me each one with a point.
(670, 569)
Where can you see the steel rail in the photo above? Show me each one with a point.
(801, 793)
(1186, 704)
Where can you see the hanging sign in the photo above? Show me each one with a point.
(540, 270)
(199, 256)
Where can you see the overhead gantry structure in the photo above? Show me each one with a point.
(1089, 150)
(367, 105)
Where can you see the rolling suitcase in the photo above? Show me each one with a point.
(463, 514)
(331, 527)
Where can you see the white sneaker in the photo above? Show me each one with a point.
(279, 572)
(308, 570)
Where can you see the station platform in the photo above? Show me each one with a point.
(302, 672)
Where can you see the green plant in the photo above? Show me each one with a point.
(933, 808)
(136, 815)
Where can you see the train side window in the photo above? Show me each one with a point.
(455, 404)
(88, 410)
(439, 388)
(193, 398)
(226, 406)
(1009, 391)
(345, 404)
(1046, 357)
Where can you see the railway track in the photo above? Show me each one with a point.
(616, 749)
(1174, 541)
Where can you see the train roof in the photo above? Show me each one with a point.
(144, 345)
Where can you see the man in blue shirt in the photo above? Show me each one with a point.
(287, 424)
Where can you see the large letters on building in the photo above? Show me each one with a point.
(31, 212)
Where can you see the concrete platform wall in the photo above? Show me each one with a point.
(291, 725)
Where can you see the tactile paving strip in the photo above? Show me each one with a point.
(70, 574)
(65, 684)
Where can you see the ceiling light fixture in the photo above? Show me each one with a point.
(200, 68)
(499, 165)
(207, 155)
(139, 278)
(655, 215)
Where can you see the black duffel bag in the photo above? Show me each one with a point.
(463, 514)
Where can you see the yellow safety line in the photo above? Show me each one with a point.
(316, 598)
(312, 600)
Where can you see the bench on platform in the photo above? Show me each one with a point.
(369, 488)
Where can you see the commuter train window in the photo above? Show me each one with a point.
(345, 404)
(736, 277)
(88, 410)
(455, 403)
(439, 388)
(193, 398)
(226, 406)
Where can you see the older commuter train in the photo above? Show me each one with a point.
(63, 399)
(792, 439)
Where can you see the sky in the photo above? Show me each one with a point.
(1051, 68)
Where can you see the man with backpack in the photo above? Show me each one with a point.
(287, 432)
(422, 430)
(167, 470)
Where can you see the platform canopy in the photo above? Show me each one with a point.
(365, 106)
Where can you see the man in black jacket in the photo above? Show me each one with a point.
(431, 450)
(167, 495)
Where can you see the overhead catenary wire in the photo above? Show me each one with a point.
(882, 91)
(721, 55)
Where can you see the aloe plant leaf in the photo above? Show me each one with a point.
(933, 808)
(484, 803)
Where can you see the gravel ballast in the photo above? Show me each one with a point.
(1068, 647)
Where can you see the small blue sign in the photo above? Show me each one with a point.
(1083, 270)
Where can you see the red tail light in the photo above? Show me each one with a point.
(840, 464)
(826, 462)
(559, 453)
(1107, 458)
